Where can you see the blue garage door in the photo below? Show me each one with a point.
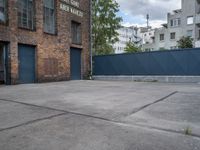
(75, 61)
(26, 64)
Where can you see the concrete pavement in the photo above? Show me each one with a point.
(98, 115)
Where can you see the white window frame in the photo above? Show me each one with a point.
(190, 20)
(191, 33)
(175, 22)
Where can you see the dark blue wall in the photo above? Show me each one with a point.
(172, 62)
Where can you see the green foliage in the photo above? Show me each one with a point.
(188, 131)
(104, 26)
(104, 49)
(185, 42)
(162, 49)
(132, 48)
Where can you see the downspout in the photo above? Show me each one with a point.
(91, 64)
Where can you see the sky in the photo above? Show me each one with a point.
(134, 12)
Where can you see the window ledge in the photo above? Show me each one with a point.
(77, 45)
(52, 34)
(162, 40)
(4, 23)
(27, 29)
(175, 26)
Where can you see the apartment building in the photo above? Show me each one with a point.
(126, 34)
(137, 35)
(44, 40)
(181, 22)
(147, 35)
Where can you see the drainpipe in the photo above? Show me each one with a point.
(91, 64)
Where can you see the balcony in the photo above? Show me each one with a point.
(197, 19)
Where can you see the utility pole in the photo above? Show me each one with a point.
(147, 21)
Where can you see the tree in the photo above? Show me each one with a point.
(104, 26)
(185, 42)
(105, 49)
(162, 49)
(131, 48)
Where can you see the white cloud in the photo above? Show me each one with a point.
(154, 24)
(157, 9)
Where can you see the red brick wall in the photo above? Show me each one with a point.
(50, 49)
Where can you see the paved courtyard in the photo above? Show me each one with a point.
(99, 115)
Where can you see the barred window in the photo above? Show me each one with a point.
(162, 37)
(49, 16)
(172, 35)
(76, 33)
(26, 14)
(3, 10)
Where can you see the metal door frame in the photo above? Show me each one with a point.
(4, 62)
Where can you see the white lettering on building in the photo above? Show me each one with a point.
(64, 7)
(75, 3)
(67, 1)
(76, 12)
(71, 9)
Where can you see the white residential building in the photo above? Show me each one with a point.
(182, 22)
(148, 37)
(126, 34)
(139, 36)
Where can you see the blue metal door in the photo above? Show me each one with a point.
(75, 61)
(26, 64)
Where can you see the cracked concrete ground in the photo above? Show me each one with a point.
(98, 115)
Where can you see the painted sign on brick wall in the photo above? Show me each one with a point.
(71, 6)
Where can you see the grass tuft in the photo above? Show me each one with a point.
(188, 131)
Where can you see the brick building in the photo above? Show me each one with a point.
(44, 40)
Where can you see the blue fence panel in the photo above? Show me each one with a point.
(170, 62)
